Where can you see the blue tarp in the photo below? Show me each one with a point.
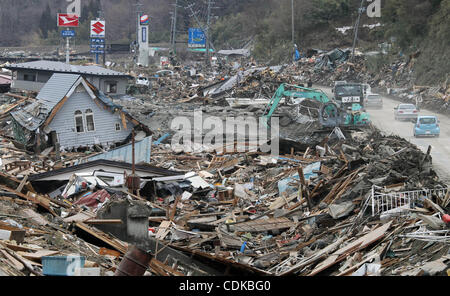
(308, 172)
(297, 55)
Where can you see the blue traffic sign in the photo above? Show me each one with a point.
(97, 41)
(197, 38)
(97, 51)
(68, 33)
(98, 46)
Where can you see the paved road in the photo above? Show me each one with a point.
(384, 120)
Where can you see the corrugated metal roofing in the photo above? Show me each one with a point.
(32, 116)
(93, 164)
(142, 153)
(65, 68)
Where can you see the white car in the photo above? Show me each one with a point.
(406, 111)
(373, 100)
(141, 80)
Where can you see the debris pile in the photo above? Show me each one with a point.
(334, 202)
(396, 79)
(314, 211)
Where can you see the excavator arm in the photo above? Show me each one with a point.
(295, 91)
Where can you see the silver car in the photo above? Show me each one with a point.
(406, 112)
(373, 100)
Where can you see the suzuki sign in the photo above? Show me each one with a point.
(68, 20)
(97, 29)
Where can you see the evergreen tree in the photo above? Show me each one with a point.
(46, 22)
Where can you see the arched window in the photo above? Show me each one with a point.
(90, 120)
(79, 126)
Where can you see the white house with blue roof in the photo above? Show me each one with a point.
(70, 111)
(32, 76)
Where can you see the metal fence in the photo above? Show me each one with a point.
(383, 202)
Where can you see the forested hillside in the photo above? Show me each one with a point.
(410, 25)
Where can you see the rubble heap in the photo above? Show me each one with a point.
(314, 211)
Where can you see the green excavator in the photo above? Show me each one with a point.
(331, 113)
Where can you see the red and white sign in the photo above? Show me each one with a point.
(145, 20)
(68, 20)
(98, 29)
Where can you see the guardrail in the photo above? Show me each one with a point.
(383, 202)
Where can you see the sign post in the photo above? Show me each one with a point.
(143, 58)
(66, 20)
(98, 33)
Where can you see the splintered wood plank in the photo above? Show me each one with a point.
(103, 221)
(19, 266)
(55, 111)
(124, 120)
(22, 184)
(281, 201)
(20, 248)
(114, 243)
(163, 230)
(264, 225)
(37, 256)
(167, 269)
(351, 248)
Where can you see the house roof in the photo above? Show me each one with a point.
(56, 88)
(32, 116)
(103, 162)
(60, 67)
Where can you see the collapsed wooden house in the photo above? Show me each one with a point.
(70, 112)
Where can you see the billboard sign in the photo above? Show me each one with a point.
(68, 20)
(197, 38)
(98, 29)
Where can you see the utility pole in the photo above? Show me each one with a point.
(357, 28)
(174, 29)
(67, 50)
(171, 27)
(101, 17)
(194, 14)
(139, 13)
(208, 23)
(293, 22)
(293, 28)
